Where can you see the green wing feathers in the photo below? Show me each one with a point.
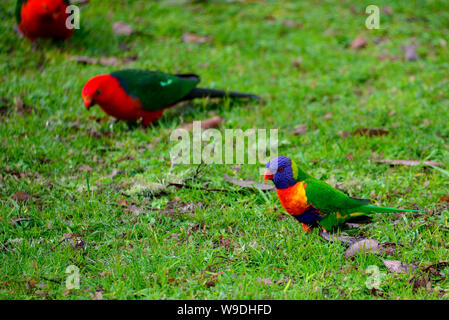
(156, 90)
(19, 4)
(328, 199)
(336, 207)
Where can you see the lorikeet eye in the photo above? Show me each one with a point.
(281, 169)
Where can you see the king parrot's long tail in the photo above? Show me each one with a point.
(216, 93)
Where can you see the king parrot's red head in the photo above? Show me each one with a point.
(106, 91)
(96, 90)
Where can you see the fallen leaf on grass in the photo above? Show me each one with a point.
(248, 183)
(364, 132)
(410, 163)
(123, 203)
(85, 167)
(371, 132)
(434, 269)
(297, 63)
(21, 196)
(292, 24)
(195, 38)
(365, 245)
(22, 108)
(349, 157)
(396, 266)
(444, 199)
(327, 116)
(97, 296)
(387, 10)
(122, 28)
(410, 52)
(301, 129)
(211, 123)
(359, 43)
(425, 280)
(266, 281)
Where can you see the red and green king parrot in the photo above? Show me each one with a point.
(136, 94)
(312, 202)
(43, 19)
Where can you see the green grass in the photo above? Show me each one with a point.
(194, 244)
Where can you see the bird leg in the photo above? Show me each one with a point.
(306, 228)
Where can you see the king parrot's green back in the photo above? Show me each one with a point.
(18, 10)
(155, 90)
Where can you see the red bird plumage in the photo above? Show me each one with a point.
(43, 19)
(106, 91)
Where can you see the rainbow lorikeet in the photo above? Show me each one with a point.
(136, 94)
(312, 202)
(43, 19)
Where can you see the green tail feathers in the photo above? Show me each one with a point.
(374, 209)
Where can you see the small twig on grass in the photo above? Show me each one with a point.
(186, 186)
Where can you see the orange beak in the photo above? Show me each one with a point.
(268, 176)
(87, 102)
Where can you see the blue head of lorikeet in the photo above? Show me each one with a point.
(281, 171)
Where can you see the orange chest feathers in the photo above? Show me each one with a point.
(293, 198)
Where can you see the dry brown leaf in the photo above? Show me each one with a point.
(211, 123)
(327, 115)
(266, 281)
(21, 196)
(364, 132)
(444, 199)
(248, 183)
(359, 43)
(122, 28)
(85, 167)
(109, 61)
(297, 63)
(410, 163)
(195, 38)
(301, 129)
(410, 52)
(349, 157)
(370, 132)
(292, 24)
(395, 266)
(123, 203)
(365, 245)
(387, 10)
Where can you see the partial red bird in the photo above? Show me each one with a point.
(43, 19)
(131, 95)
